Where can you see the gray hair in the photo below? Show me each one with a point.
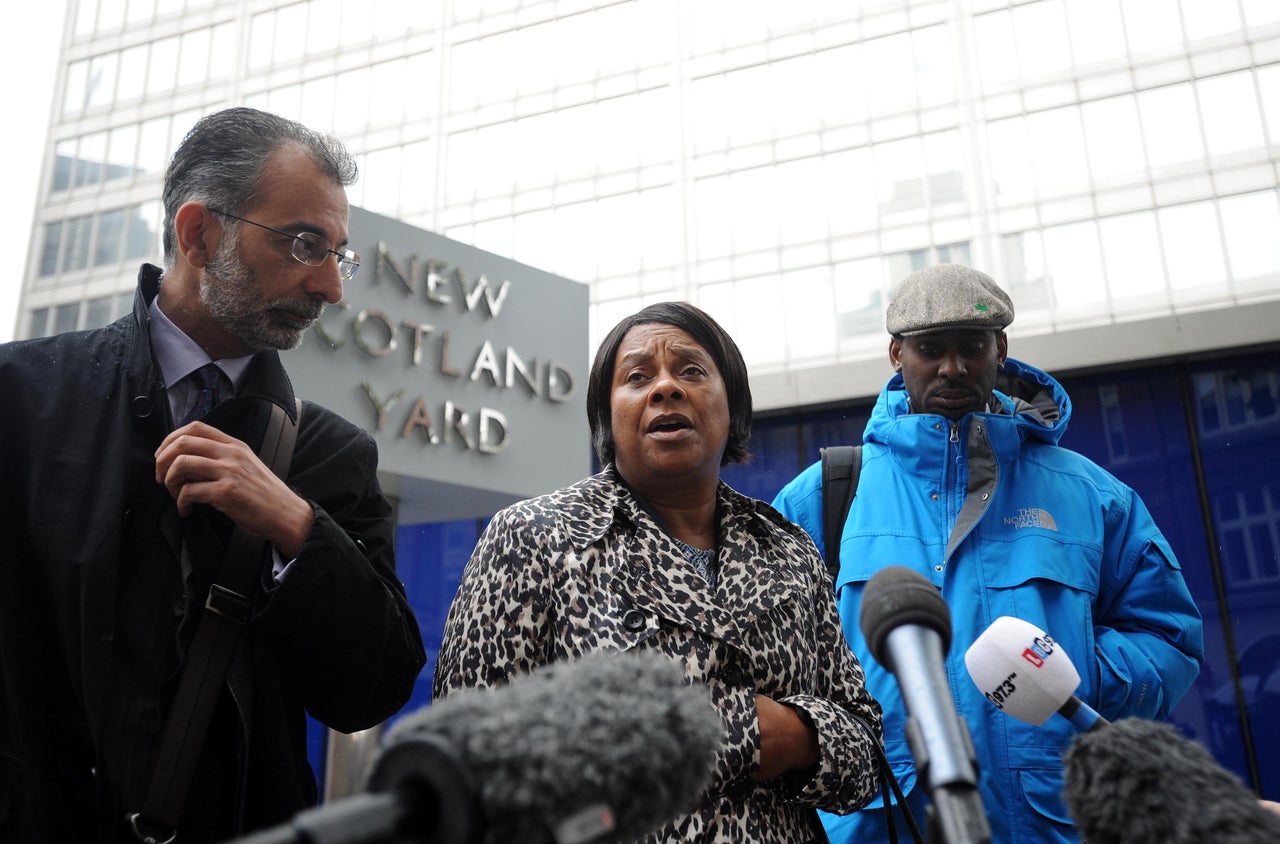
(221, 160)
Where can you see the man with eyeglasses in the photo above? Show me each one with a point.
(129, 462)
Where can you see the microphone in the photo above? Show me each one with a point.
(907, 627)
(602, 749)
(1026, 674)
(1142, 781)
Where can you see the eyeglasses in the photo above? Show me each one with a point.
(309, 248)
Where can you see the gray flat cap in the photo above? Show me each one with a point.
(946, 297)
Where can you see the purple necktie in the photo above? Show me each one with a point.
(209, 379)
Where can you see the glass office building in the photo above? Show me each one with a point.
(1114, 163)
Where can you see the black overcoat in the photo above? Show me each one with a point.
(98, 602)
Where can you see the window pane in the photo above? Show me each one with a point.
(290, 32)
(144, 231)
(90, 159)
(39, 323)
(714, 210)
(1171, 125)
(164, 66)
(1041, 47)
(1058, 150)
(1028, 282)
(64, 159)
(859, 294)
(1192, 246)
(1207, 18)
(1250, 223)
(194, 67)
(1131, 249)
(222, 53)
(1150, 26)
(75, 254)
(850, 198)
(98, 313)
(1229, 104)
(140, 11)
(894, 66)
(49, 254)
(1269, 83)
(1096, 30)
(1011, 160)
(934, 66)
(1115, 138)
(77, 85)
(133, 73)
(153, 145)
(66, 317)
(1074, 259)
(809, 329)
(997, 55)
(944, 167)
(318, 102)
(102, 80)
(899, 168)
(321, 34)
(381, 177)
(108, 244)
(121, 147)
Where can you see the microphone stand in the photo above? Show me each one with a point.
(419, 793)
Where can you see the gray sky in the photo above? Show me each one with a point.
(28, 65)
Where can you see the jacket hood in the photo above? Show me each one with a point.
(1037, 404)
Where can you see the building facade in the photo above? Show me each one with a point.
(1114, 163)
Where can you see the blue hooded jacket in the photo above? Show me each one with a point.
(1005, 521)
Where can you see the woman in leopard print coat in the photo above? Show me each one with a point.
(655, 552)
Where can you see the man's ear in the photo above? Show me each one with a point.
(196, 233)
(895, 353)
(1002, 347)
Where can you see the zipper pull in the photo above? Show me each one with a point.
(955, 432)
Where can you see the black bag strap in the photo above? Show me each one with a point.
(841, 466)
(226, 610)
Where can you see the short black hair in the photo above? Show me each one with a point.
(710, 336)
(221, 161)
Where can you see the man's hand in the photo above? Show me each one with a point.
(787, 743)
(199, 464)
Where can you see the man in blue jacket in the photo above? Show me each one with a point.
(966, 484)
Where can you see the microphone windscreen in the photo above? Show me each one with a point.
(1140, 780)
(897, 595)
(621, 730)
(1021, 670)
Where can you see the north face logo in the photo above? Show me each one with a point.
(1031, 517)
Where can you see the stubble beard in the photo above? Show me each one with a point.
(229, 290)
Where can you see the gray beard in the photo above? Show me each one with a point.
(230, 291)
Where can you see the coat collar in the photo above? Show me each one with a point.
(761, 565)
(265, 379)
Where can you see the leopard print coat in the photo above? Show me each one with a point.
(586, 568)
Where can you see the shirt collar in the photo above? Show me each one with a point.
(178, 355)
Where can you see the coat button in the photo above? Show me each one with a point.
(733, 675)
(741, 789)
(634, 621)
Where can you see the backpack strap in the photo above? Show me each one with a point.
(227, 610)
(841, 466)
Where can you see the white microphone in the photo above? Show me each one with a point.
(1026, 674)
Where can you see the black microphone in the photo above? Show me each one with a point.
(1143, 781)
(907, 626)
(606, 748)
